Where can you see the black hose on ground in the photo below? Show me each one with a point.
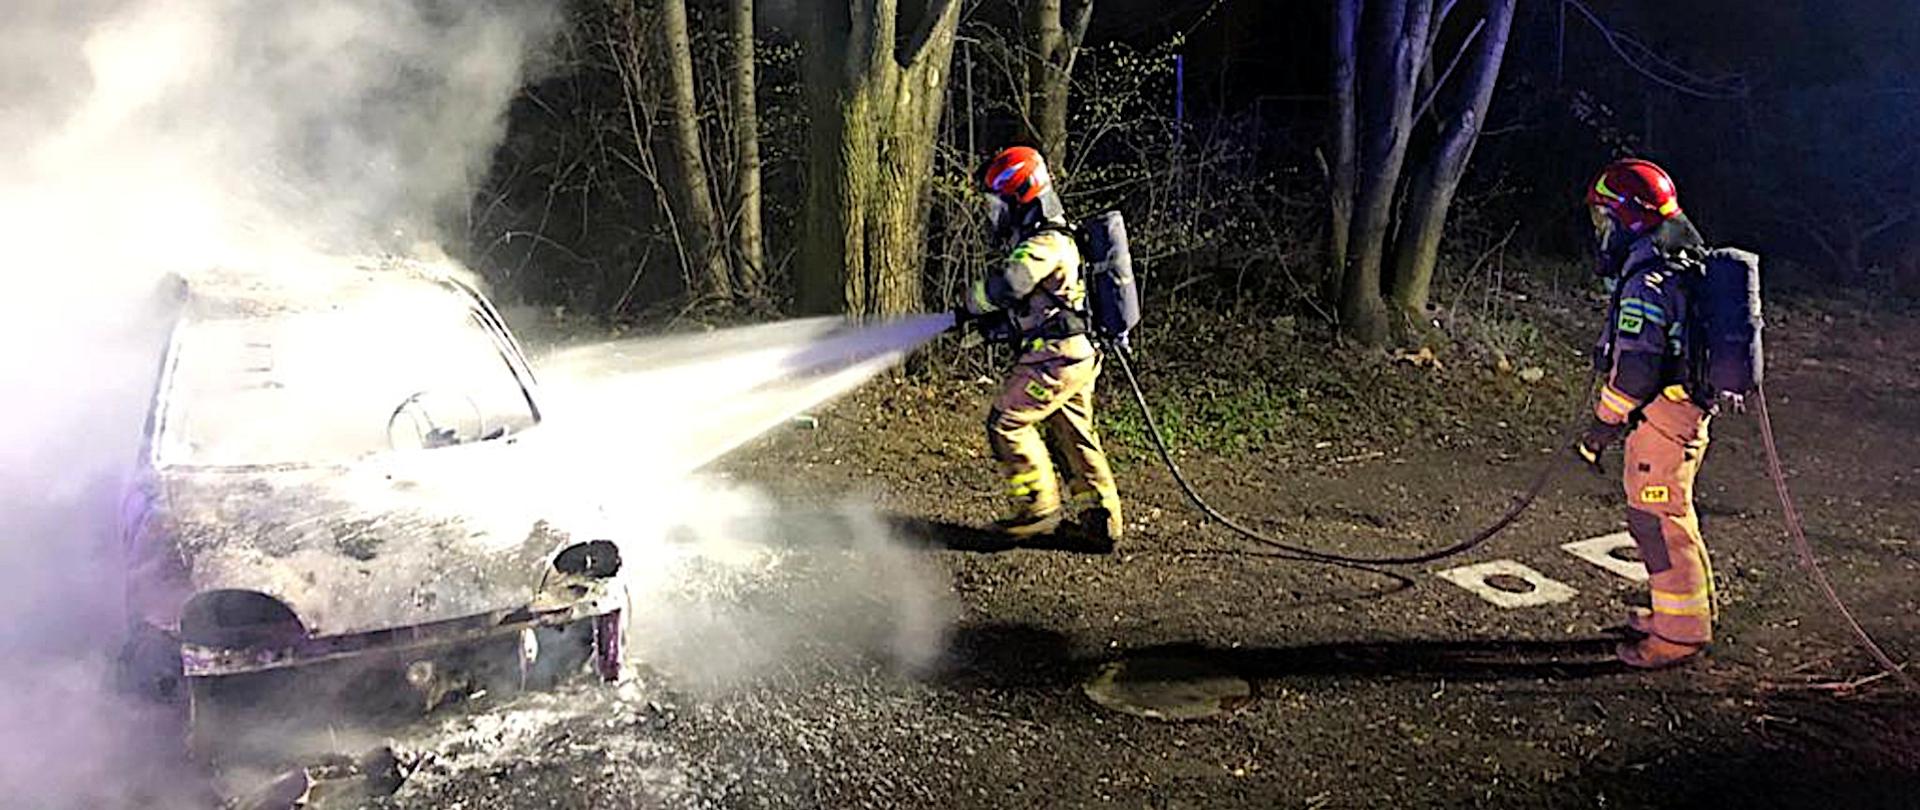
(1540, 481)
(1797, 532)
(1790, 515)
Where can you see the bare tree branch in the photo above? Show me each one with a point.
(1434, 91)
(1077, 34)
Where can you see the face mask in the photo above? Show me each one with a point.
(1000, 222)
(1609, 254)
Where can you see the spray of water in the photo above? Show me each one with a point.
(626, 426)
(697, 546)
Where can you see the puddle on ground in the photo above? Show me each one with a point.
(1168, 689)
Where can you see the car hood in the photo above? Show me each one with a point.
(377, 545)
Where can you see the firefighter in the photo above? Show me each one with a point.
(1040, 294)
(1648, 251)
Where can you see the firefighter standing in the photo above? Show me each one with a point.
(1041, 293)
(1649, 251)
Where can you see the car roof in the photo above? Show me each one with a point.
(314, 285)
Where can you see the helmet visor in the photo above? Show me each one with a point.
(999, 219)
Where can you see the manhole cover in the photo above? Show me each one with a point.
(1168, 689)
(1509, 583)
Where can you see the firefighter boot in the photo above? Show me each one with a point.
(1640, 620)
(1099, 519)
(1103, 527)
(1654, 652)
(1036, 510)
(1023, 525)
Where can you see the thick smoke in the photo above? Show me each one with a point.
(141, 138)
(146, 137)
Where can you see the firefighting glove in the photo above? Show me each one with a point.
(1595, 440)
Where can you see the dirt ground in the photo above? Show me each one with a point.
(1369, 690)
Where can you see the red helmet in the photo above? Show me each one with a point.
(1639, 194)
(1018, 174)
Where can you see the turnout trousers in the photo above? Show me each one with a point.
(1056, 394)
(1663, 455)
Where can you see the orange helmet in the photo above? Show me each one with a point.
(1017, 174)
(1637, 193)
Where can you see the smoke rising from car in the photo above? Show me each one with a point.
(140, 138)
(144, 137)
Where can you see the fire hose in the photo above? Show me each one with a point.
(1798, 533)
(1545, 476)
(1790, 516)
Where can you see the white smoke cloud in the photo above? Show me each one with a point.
(143, 137)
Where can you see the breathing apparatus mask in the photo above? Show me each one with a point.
(1611, 242)
(1010, 222)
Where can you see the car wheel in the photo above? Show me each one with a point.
(149, 667)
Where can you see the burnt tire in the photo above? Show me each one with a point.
(148, 667)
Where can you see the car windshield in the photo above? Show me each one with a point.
(337, 384)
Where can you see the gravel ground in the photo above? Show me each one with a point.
(1370, 690)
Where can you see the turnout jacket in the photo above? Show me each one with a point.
(1041, 288)
(1647, 334)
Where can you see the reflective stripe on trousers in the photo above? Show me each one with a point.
(1058, 395)
(1663, 456)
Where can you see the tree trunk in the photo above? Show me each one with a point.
(1055, 29)
(707, 272)
(875, 107)
(748, 236)
(1431, 193)
(1346, 32)
(1399, 37)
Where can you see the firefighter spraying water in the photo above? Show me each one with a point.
(1037, 299)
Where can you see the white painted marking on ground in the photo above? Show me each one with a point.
(1599, 551)
(1474, 579)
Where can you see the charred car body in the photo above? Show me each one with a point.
(323, 476)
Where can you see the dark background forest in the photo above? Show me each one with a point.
(1207, 122)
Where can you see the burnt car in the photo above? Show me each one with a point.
(328, 472)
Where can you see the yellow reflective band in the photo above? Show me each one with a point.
(1617, 402)
(1604, 191)
(1704, 589)
(1669, 208)
(1677, 393)
(1695, 600)
(1618, 409)
(1027, 477)
(1700, 610)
